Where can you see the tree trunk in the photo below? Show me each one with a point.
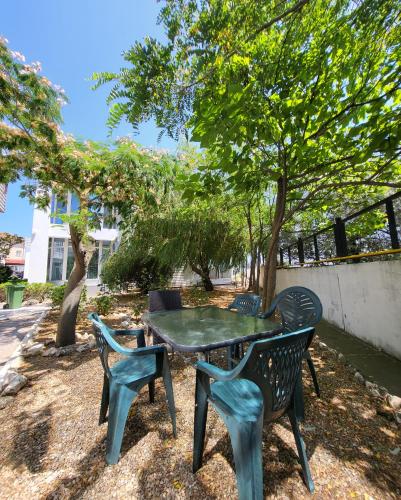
(256, 287)
(69, 308)
(204, 273)
(270, 269)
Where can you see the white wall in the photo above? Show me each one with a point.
(36, 255)
(364, 299)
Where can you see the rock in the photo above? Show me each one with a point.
(5, 401)
(308, 428)
(322, 344)
(68, 349)
(396, 451)
(125, 324)
(83, 347)
(341, 358)
(383, 391)
(48, 342)
(34, 349)
(397, 417)
(91, 344)
(394, 402)
(90, 337)
(375, 393)
(359, 377)
(15, 384)
(30, 302)
(50, 352)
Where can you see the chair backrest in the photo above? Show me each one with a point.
(299, 307)
(101, 333)
(164, 300)
(246, 303)
(274, 365)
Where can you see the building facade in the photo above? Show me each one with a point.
(15, 259)
(49, 255)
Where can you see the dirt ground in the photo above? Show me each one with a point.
(52, 446)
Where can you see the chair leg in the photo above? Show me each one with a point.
(152, 391)
(201, 406)
(168, 385)
(230, 356)
(312, 370)
(246, 441)
(121, 398)
(299, 398)
(301, 451)
(105, 400)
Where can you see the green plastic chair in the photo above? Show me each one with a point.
(247, 304)
(124, 380)
(261, 387)
(299, 307)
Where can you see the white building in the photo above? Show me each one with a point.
(49, 255)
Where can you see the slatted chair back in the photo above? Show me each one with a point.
(246, 303)
(274, 365)
(299, 307)
(164, 300)
(101, 333)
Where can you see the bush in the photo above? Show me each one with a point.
(5, 274)
(57, 295)
(124, 268)
(104, 304)
(38, 291)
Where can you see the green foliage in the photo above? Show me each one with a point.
(57, 295)
(127, 267)
(38, 291)
(5, 273)
(104, 304)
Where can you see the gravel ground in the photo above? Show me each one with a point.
(53, 448)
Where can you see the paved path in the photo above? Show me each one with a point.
(14, 325)
(375, 365)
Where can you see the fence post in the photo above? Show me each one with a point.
(392, 225)
(317, 256)
(340, 238)
(281, 257)
(301, 254)
(289, 256)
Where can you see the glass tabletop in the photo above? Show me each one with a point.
(206, 328)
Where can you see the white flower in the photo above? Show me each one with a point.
(18, 55)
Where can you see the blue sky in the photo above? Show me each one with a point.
(72, 39)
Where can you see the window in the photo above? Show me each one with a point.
(108, 218)
(74, 207)
(18, 253)
(94, 264)
(56, 271)
(58, 207)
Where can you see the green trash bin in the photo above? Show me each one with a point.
(14, 295)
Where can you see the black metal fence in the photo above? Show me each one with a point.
(345, 239)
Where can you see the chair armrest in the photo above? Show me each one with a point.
(267, 314)
(135, 332)
(214, 371)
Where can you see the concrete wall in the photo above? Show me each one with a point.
(363, 299)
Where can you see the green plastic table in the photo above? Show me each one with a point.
(202, 329)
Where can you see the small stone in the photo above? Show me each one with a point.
(322, 344)
(91, 344)
(50, 352)
(394, 402)
(395, 451)
(90, 337)
(359, 377)
(34, 349)
(5, 401)
(341, 358)
(83, 347)
(309, 428)
(375, 393)
(125, 324)
(16, 383)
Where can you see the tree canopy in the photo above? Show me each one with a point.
(303, 96)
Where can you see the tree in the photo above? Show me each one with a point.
(7, 241)
(304, 96)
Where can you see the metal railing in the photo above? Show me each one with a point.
(332, 244)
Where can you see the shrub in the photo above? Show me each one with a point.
(5, 273)
(104, 304)
(39, 291)
(147, 273)
(57, 295)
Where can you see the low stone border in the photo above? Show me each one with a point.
(10, 380)
(379, 392)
